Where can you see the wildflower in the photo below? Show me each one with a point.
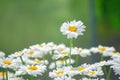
(9, 63)
(95, 73)
(58, 72)
(33, 70)
(72, 29)
(64, 78)
(81, 52)
(2, 54)
(61, 53)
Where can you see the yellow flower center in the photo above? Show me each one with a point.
(32, 67)
(59, 73)
(102, 48)
(37, 60)
(91, 72)
(72, 28)
(114, 52)
(7, 62)
(79, 50)
(71, 69)
(81, 68)
(64, 52)
(61, 60)
(31, 52)
(2, 74)
(41, 46)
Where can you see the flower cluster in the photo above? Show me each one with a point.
(59, 62)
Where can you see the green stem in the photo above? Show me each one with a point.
(108, 75)
(43, 58)
(76, 60)
(55, 64)
(6, 74)
(104, 67)
(71, 45)
(22, 60)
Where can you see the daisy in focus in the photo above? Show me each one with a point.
(72, 29)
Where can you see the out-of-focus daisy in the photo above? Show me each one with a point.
(61, 53)
(64, 78)
(80, 69)
(16, 54)
(116, 64)
(72, 29)
(31, 53)
(33, 70)
(58, 72)
(10, 77)
(2, 54)
(95, 73)
(104, 50)
(36, 61)
(9, 63)
(81, 52)
(60, 63)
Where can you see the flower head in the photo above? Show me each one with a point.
(72, 29)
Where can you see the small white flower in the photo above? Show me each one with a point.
(58, 72)
(61, 53)
(2, 54)
(64, 78)
(81, 52)
(9, 63)
(95, 73)
(33, 70)
(72, 29)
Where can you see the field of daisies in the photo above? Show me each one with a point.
(50, 61)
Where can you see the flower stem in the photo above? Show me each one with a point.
(108, 74)
(43, 58)
(22, 60)
(6, 74)
(71, 45)
(76, 60)
(104, 67)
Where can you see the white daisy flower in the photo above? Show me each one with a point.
(72, 29)
(31, 53)
(116, 64)
(9, 63)
(81, 52)
(11, 76)
(2, 54)
(95, 73)
(80, 69)
(58, 72)
(60, 63)
(64, 77)
(36, 61)
(61, 53)
(33, 70)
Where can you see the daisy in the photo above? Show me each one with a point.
(58, 72)
(2, 54)
(9, 63)
(64, 78)
(81, 52)
(95, 73)
(72, 29)
(33, 70)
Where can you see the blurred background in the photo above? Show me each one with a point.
(24, 23)
(28, 22)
